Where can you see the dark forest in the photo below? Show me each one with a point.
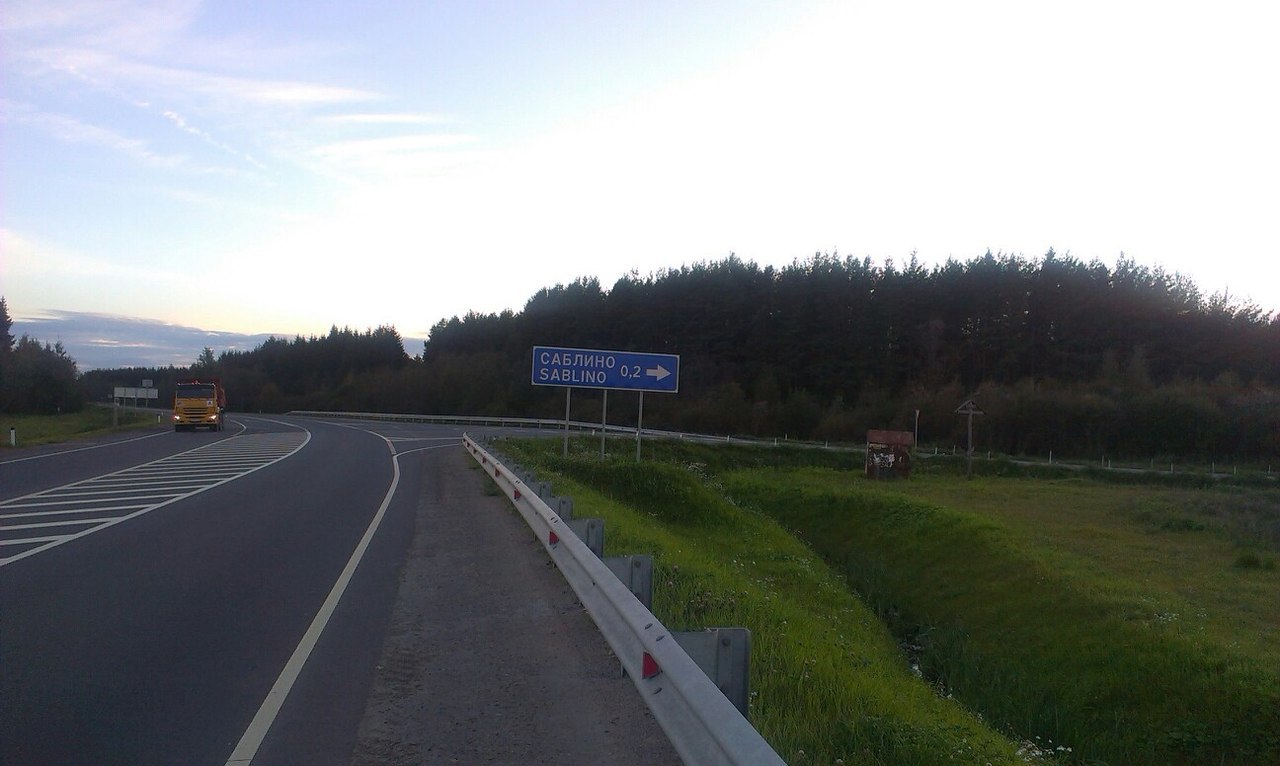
(1079, 358)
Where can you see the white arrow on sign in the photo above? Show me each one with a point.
(658, 372)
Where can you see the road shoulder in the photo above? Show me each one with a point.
(489, 657)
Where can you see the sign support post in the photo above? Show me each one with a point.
(968, 453)
(567, 392)
(604, 421)
(969, 409)
(639, 425)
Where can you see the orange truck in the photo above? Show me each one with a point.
(199, 402)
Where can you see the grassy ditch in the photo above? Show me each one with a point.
(829, 683)
(1042, 640)
(32, 430)
(1132, 622)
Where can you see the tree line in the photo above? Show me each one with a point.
(35, 378)
(1079, 358)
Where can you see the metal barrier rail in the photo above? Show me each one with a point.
(702, 724)
(576, 425)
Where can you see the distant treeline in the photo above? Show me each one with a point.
(1075, 357)
(35, 378)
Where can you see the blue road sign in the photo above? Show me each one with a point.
(591, 368)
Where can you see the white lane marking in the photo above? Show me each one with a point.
(64, 501)
(243, 428)
(253, 736)
(29, 540)
(70, 523)
(278, 447)
(99, 509)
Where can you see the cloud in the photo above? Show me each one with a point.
(28, 259)
(71, 130)
(107, 68)
(182, 125)
(99, 341)
(388, 119)
(118, 24)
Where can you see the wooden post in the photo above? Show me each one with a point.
(969, 409)
(968, 453)
(567, 391)
(639, 425)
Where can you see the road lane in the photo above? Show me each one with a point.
(35, 522)
(154, 640)
(31, 469)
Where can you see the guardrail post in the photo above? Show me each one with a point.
(564, 509)
(591, 532)
(543, 488)
(724, 654)
(635, 572)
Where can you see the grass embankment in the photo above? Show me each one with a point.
(32, 430)
(829, 684)
(1135, 623)
(1121, 646)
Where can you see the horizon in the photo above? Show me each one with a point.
(260, 171)
(104, 341)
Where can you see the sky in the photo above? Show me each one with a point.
(177, 173)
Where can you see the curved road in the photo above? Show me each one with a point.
(290, 591)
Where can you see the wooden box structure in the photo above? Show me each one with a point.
(889, 454)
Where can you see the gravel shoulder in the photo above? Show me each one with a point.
(489, 657)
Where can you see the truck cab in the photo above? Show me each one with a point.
(199, 403)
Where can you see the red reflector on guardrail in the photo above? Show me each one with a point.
(515, 495)
(649, 666)
(552, 538)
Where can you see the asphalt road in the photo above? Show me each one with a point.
(275, 593)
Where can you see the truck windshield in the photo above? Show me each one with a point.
(195, 390)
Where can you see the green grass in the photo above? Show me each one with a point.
(32, 430)
(1134, 621)
(1153, 548)
(829, 682)
(1076, 635)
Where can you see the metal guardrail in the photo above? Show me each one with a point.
(575, 425)
(703, 725)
